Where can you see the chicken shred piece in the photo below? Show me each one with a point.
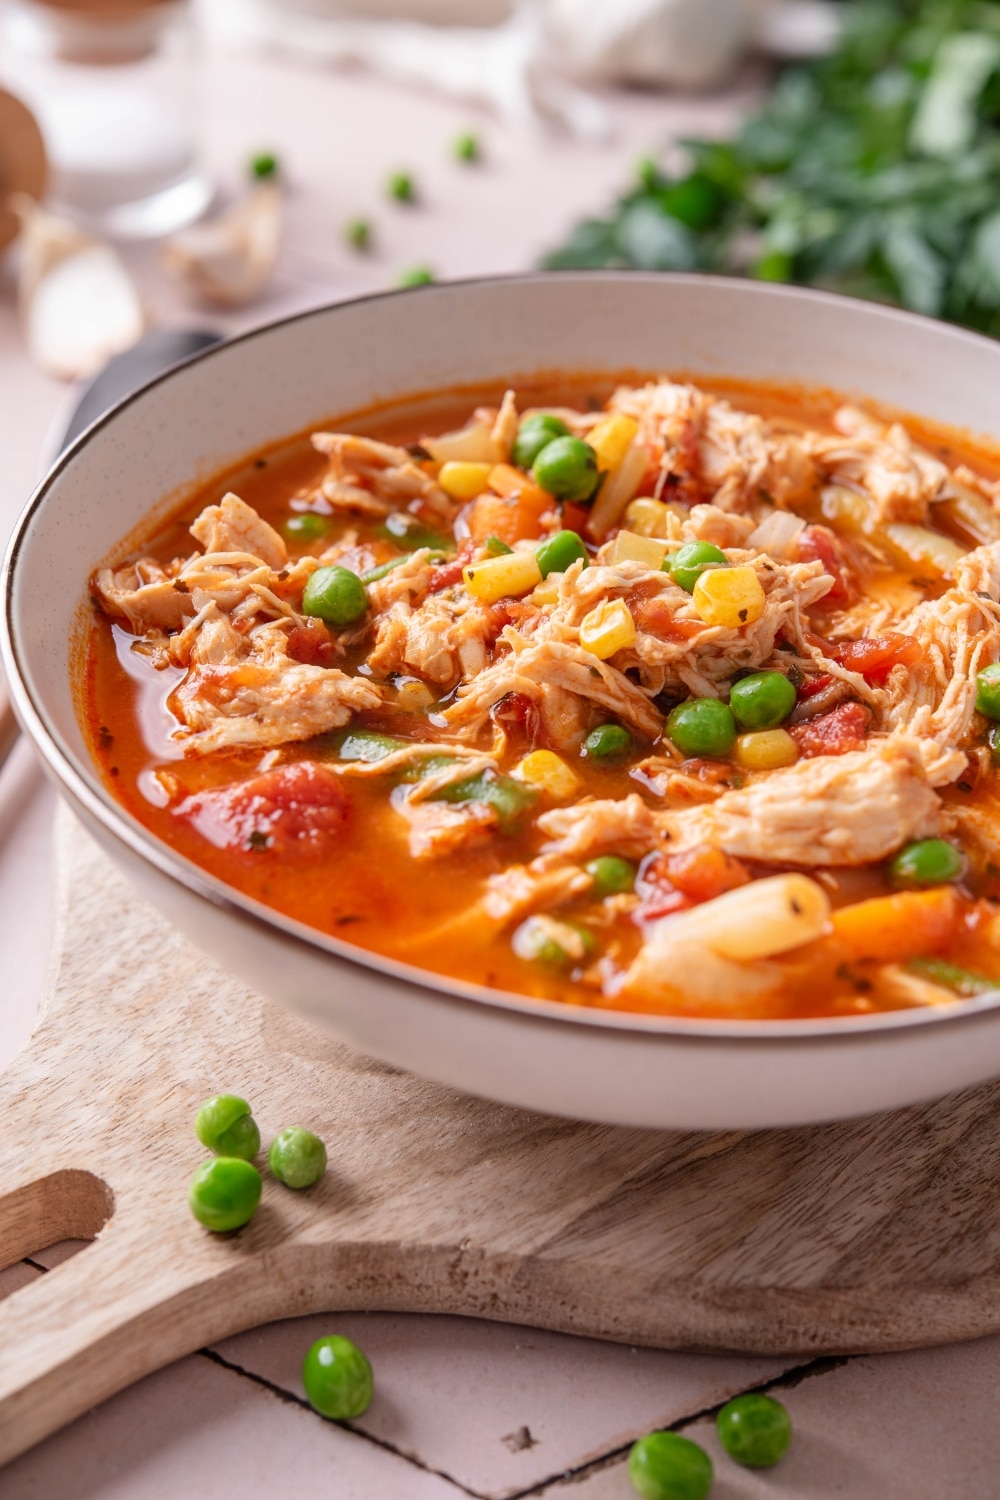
(234, 526)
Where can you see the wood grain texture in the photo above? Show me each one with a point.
(877, 1234)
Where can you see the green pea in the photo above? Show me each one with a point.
(225, 1125)
(263, 165)
(297, 1157)
(927, 862)
(338, 1378)
(534, 433)
(401, 187)
(556, 944)
(416, 276)
(335, 595)
(560, 552)
(358, 234)
(762, 701)
(497, 547)
(691, 561)
(305, 528)
(224, 1193)
(405, 529)
(608, 742)
(755, 1430)
(666, 1466)
(702, 727)
(467, 147)
(567, 468)
(988, 691)
(611, 875)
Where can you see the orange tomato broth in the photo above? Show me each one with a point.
(372, 893)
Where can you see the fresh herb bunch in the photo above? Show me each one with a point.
(875, 171)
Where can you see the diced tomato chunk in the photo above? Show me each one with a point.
(656, 617)
(819, 544)
(447, 573)
(311, 643)
(519, 717)
(813, 685)
(673, 882)
(294, 809)
(705, 873)
(876, 656)
(844, 728)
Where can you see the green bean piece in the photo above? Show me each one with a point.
(467, 148)
(755, 1430)
(497, 547)
(927, 862)
(338, 1379)
(534, 433)
(567, 468)
(336, 595)
(951, 977)
(264, 165)
(608, 743)
(374, 574)
(702, 727)
(690, 561)
(368, 746)
(358, 234)
(401, 186)
(225, 1125)
(666, 1466)
(509, 799)
(762, 701)
(297, 1157)
(224, 1193)
(306, 528)
(611, 875)
(988, 691)
(560, 552)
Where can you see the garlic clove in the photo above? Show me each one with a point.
(79, 304)
(231, 258)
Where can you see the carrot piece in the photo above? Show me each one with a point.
(703, 872)
(509, 519)
(895, 928)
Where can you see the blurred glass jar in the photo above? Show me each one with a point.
(113, 84)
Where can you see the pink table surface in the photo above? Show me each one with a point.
(462, 1408)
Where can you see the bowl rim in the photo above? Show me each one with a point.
(88, 793)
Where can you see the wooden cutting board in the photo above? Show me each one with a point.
(879, 1234)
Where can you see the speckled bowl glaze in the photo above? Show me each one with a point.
(588, 1064)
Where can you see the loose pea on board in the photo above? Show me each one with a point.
(338, 1378)
(755, 1430)
(224, 1193)
(297, 1157)
(666, 1466)
(225, 1125)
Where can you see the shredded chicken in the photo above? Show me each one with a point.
(834, 810)
(375, 478)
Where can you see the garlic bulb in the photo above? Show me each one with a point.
(686, 42)
(79, 304)
(230, 259)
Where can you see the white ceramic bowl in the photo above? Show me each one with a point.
(588, 1064)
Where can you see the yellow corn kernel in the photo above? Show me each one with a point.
(649, 517)
(549, 772)
(729, 596)
(611, 438)
(413, 696)
(464, 481)
(630, 546)
(547, 591)
(607, 629)
(494, 579)
(766, 750)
